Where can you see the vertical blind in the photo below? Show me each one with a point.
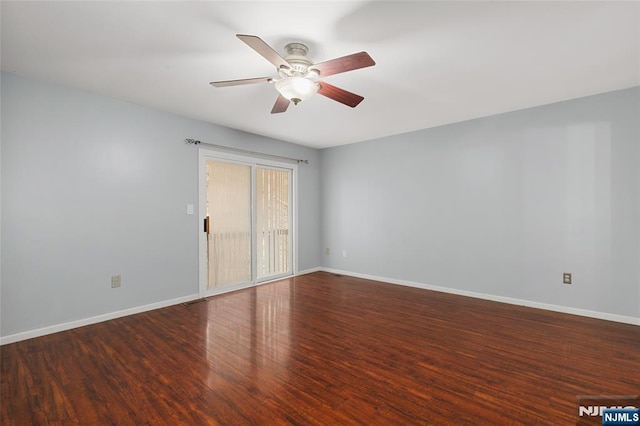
(229, 210)
(272, 221)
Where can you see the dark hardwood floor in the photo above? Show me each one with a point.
(321, 349)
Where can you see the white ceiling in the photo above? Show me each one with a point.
(436, 62)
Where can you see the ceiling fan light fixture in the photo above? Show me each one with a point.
(296, 89)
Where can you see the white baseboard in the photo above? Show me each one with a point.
(139, 309)
(12, 338)
(510, 300)
(309, 271)
(93, 320)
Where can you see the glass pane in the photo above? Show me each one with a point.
(273, 220)
(229, 211)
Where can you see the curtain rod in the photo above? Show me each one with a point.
(197, 142)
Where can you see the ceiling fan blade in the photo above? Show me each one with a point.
(338, 94)
(241, 82)
(344, 64)
(281, 105)
(257, 44)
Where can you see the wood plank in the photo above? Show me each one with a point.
(321, 349)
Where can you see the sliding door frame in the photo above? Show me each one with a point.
(206, 154)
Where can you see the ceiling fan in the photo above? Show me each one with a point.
(298, 76)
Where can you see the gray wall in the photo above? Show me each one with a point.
(500, 205)
(503, 205)
(93, 187)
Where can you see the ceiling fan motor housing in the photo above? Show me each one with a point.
(296, 56)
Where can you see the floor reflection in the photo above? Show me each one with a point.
(250, 331)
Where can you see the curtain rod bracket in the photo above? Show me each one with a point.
(190, 141)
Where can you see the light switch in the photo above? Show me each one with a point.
(189, 208)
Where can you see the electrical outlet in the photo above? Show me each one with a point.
(566, 278)
(116, 281)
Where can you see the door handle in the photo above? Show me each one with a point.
(207, 228)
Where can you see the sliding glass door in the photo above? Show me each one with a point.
(273, 222)
(247, 217)
(228, 224)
